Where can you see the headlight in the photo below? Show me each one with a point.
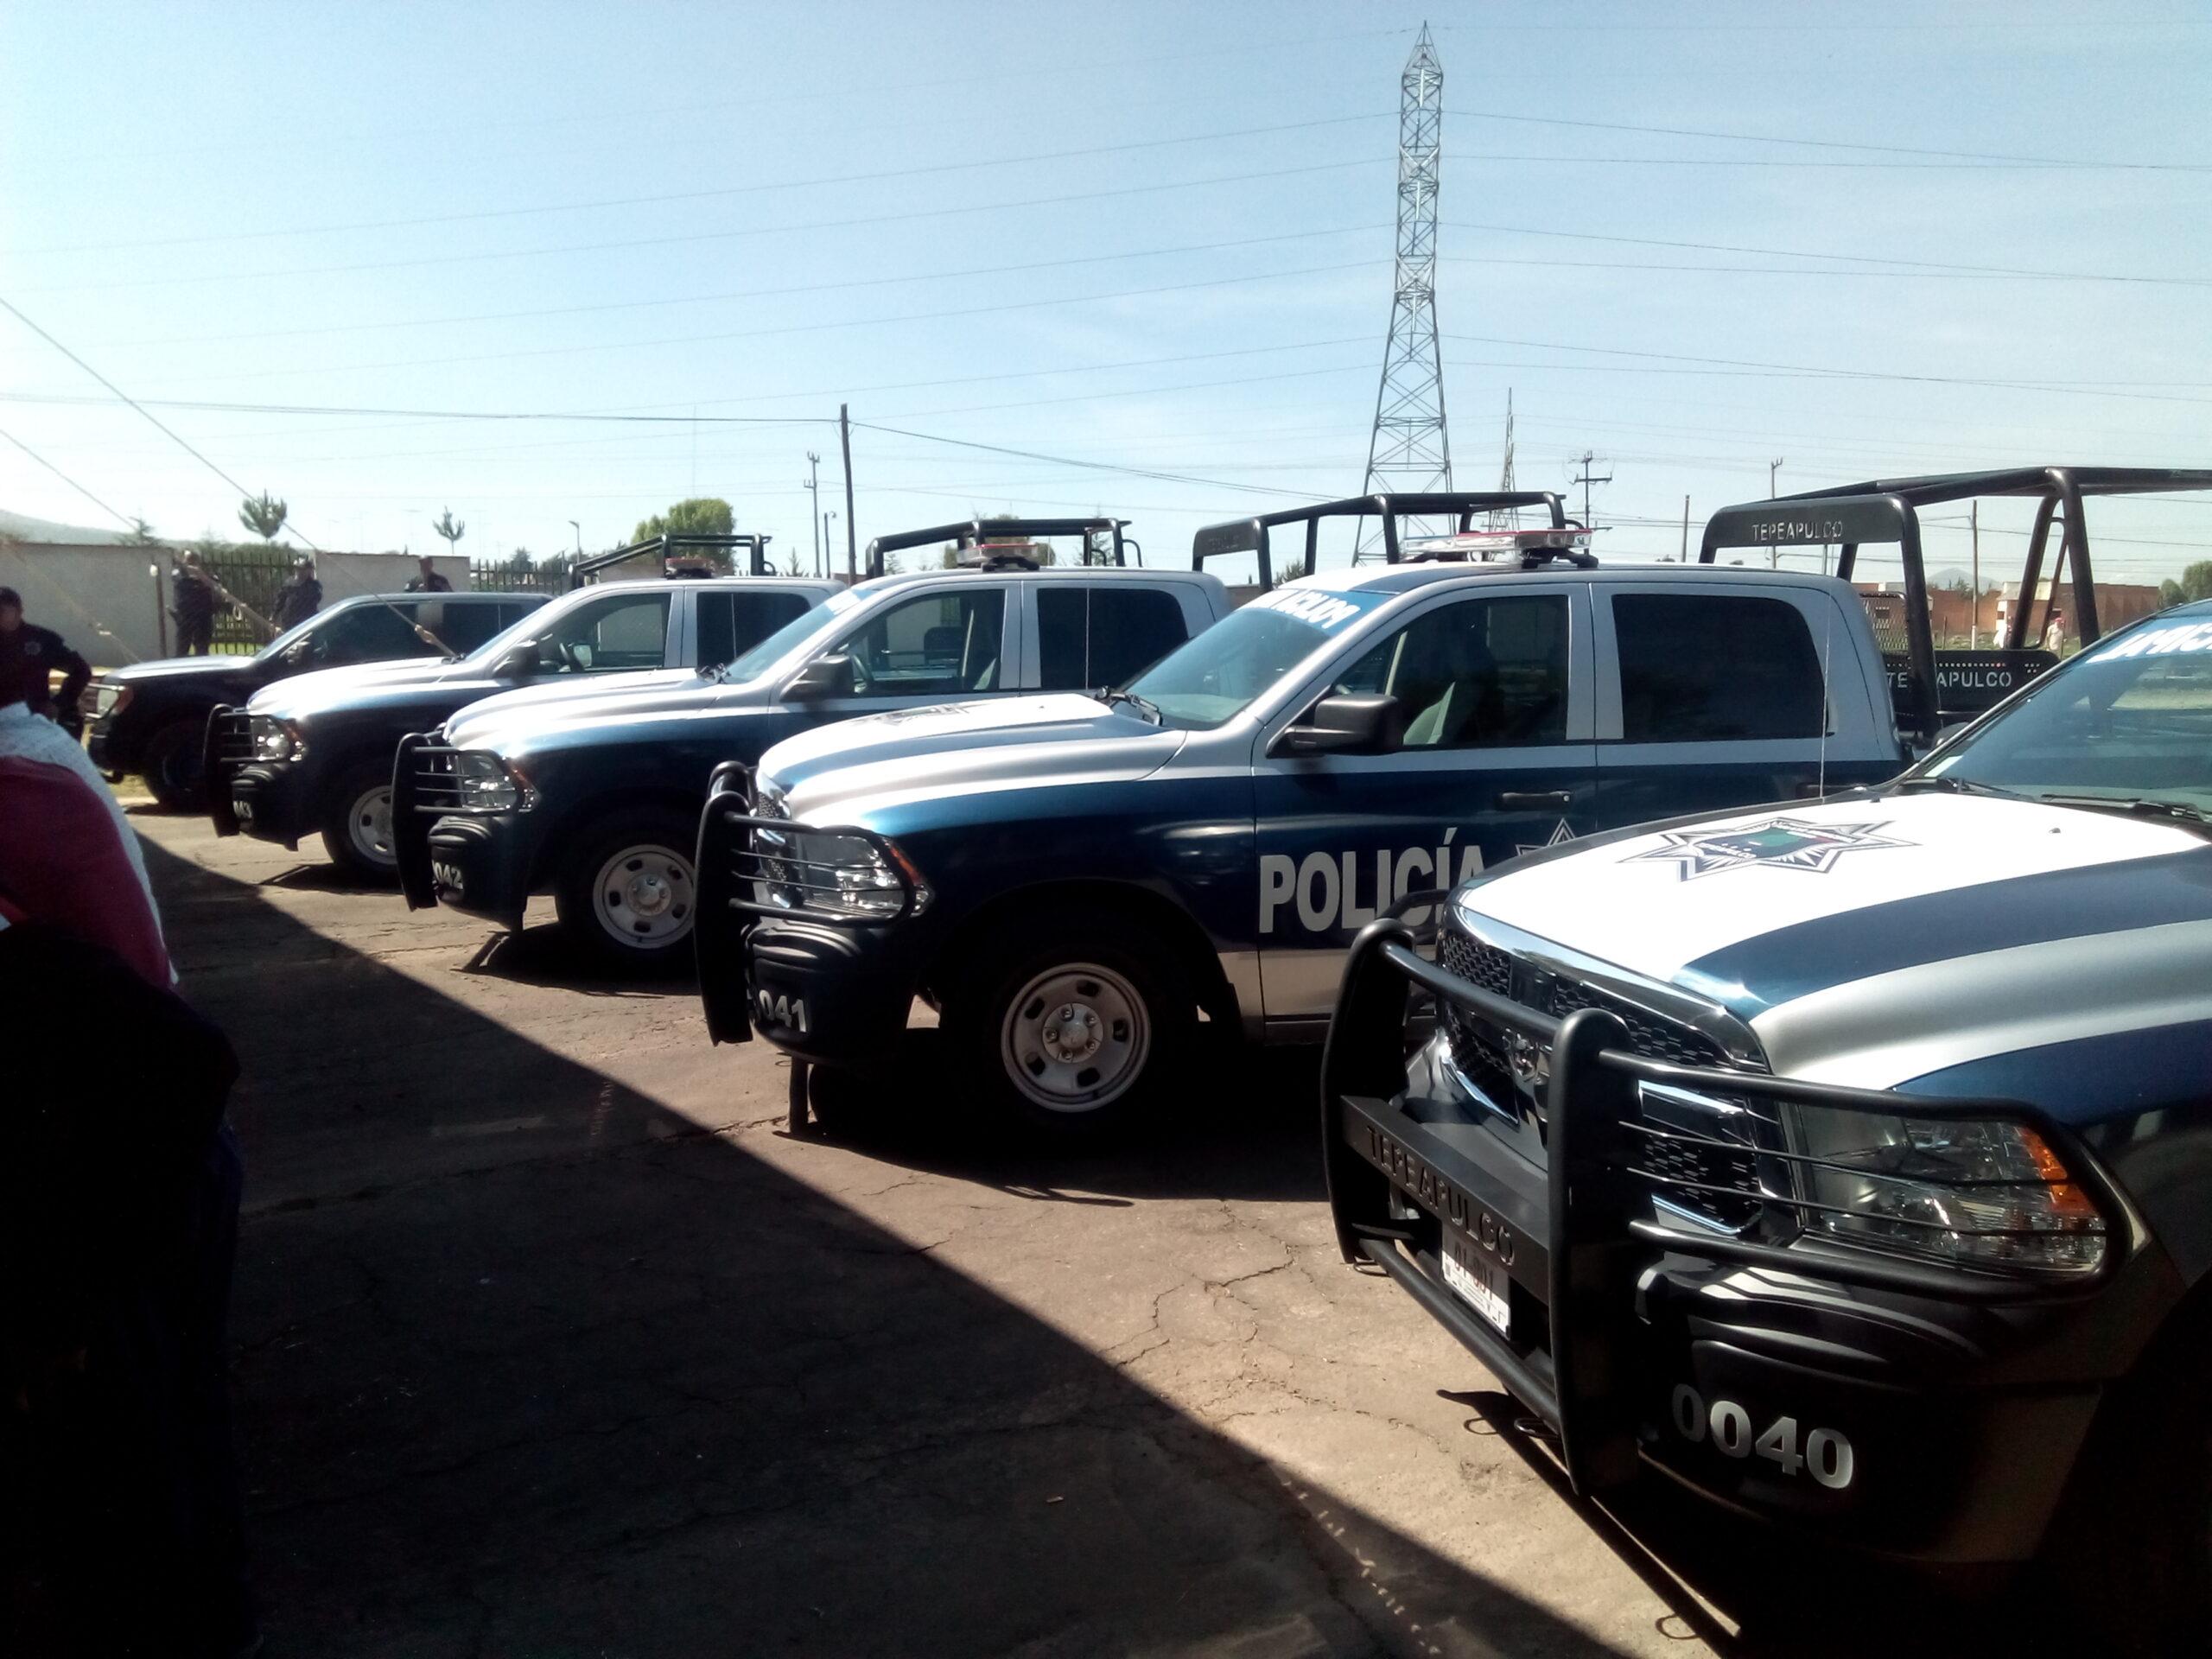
(1979, 1192)
(277, 740)
(489, 784)
(822, 871)
(110, 700)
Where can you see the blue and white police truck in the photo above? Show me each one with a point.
(596, 799)
(1076, 881)
(1848, 1162)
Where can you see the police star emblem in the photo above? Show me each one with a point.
(1780, 843)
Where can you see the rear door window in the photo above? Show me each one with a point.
(1090, 637)
(1700, 668)
(732, 622)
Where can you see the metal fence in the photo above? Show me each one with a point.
(485, 577)
(252, 575)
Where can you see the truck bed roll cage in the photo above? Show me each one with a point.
(752, 544)
(975, 534)
(1254, 535)
(1887, 509)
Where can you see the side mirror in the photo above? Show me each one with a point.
(1367, 723)
(1949, 732)
(825, 676)
(519, 662)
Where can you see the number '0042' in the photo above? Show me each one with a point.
(1825, 1453)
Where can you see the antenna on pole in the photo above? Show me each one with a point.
(1409, 451)
(1585, 480)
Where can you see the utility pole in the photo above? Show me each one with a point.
(1774, 552)
(845, 441)
(826, 517)
(1507, 517)
(1973, 608)
(812, 485)
(1409, 449)
(578, 529)
(1586, 481)
(1686, 529)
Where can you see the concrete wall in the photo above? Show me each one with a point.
(104, 602)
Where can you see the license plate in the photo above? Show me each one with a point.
(448, 877)
(1478, 1281)
(242, 810)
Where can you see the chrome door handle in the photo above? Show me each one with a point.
(1524, 800)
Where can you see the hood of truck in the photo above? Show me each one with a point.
(510, 716)
(304, 695)
(210, 671)
(1874, 939)
(835, 773)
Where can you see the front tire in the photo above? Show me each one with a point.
(172, 765)
(628, 893)
(356, 825)
(1074, 1025)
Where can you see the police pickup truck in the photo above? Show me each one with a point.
(1849, 1161)
(598, 800)
(151, 718)
(313, 753)
(1072, 879)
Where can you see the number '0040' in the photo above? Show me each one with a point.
(1826, 1454)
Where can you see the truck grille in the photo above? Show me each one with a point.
(1675, 1129)
(233, 737)
(437, 780)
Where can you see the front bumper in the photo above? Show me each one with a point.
(1912, 1411)
(831, 988)
(271, 802)
(481, 864)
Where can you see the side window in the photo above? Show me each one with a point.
(1063, 649)
(623, 630)
(368, 633)
(943, 644)
(1483, 673)
(1093, 637)
(734, 622)
(1706, 667)
(462, 626)
(1132, 628)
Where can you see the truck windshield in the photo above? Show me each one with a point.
(1216, 676)
(2129, 720)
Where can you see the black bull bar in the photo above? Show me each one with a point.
(1578, 1234)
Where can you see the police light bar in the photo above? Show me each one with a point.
(1482, 546)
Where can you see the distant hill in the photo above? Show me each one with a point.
(22, 527)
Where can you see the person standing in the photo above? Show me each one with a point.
(301, 596)
(2054, 633)
(30, 657)
(429, 582)
(192, 602)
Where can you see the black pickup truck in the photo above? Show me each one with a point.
(151, 717)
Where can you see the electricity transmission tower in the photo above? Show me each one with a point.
(1507, 517)
(1409, 452)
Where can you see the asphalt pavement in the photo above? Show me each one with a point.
(551, 1341)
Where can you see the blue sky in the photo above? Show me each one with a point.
(1143, 237)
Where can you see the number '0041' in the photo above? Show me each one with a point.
(1826, 1454)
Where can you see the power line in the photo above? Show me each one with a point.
(1831, 143)
(127, 523)
(1799, 271)
(1776, 160)
(1087, 466)
(17, 312)
(721, 192)
(629, 243)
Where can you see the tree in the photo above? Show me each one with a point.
(521, 559)
(2196, 580)
(2169, 594)
(1290, 570)
(262, 515)
(790, 563)
(141, 534)
(452, 529)
(702, 515)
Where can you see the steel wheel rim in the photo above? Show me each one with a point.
(368, 826)
(1075, 1038)
(643, 896)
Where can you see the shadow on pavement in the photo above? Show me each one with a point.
(545, 956)
(618, 1388)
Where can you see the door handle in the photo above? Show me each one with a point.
(1514, 800)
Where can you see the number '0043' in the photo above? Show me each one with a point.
(1825, 1453)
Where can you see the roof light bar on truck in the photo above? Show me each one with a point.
(1256, 535)
(973, 539)
(1887, 509)
(667, 549)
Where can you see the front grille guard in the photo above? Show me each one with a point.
(1598, 1179)
(729, 870)
(412, 815)
(226, 745)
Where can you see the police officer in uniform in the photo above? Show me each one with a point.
(193, 606)
(28, 657)
(301, 596)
